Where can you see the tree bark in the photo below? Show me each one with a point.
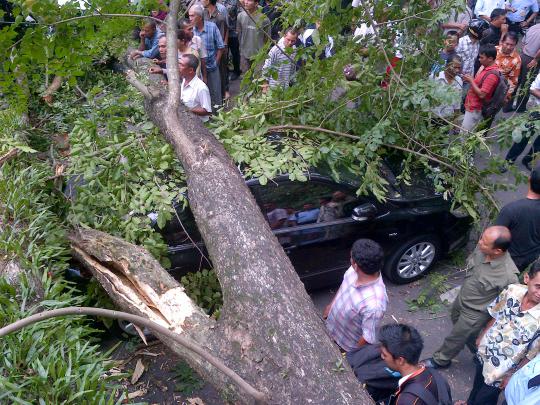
(269, 331)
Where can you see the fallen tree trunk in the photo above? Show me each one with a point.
(269, 331)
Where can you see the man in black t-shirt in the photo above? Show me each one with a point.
(522, 217)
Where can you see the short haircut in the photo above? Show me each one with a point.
(291, 30)
(454, 59)
(535, 269)
(488, 50)
(402, 341)
(535, 179)
(497, 12)
(452, 34)
(192, 61)
(151, 23)
(368, 255)
(502, 242)
(511, 35)
(183, 23)
(213, 2)
(198, 9)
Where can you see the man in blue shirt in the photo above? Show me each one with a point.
(149, 36)
(209, 33)
(522, 14)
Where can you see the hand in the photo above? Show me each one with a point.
(156, 61)
(135, 54)
(532, 64)
(504, 29)
(155, 70)
(467, 78)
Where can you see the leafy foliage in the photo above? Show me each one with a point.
(203, 287)
(187, 381)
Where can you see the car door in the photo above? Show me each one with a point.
(312, 221)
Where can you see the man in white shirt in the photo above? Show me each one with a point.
(195, 94)
(484, 8)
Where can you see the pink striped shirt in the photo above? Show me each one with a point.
(357, 311)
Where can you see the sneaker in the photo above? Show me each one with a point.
(430, 363)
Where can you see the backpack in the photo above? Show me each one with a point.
(371, 370)
(443, 390)
(496, 102)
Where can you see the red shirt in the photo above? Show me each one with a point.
(473, 102)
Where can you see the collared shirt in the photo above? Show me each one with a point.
(485, 280)
(357, 311)
(467, 51)
(151, 45)
(196, 94)
(536, 86)
(212, 42)
(485, 7)
(218, 17)
(531, 41)
(509, 65)
(278, 68)
(523, 7)
(505, 344)
(487, 85)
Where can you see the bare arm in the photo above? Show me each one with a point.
(199, 111)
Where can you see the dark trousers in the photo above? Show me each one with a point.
(518, 147)
(522, 91)
(482, 394)
(234, 46)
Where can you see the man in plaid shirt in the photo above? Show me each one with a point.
(354, 315)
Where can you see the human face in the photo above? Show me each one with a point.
(290, 39)
(497, 22)
(205, 3)
(183, 68)
(533, 288)
(508, 46)
(162, 46)
(194, 18)
(485, 244)
(450, 43)
(388, 359)
(484, 60)
(250, 5)
(454, 68)
(148, 31)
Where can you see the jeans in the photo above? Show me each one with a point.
(518, 147)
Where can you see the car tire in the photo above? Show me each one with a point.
(412, 259)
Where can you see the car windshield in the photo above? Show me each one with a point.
(420, 185)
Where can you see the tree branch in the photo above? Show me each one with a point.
(188, 343)
(173, 76)
(132, 79)
(8, 156)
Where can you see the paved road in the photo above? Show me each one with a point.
(434, 327)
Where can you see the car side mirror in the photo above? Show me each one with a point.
(364, 212)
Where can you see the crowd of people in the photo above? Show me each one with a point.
(496, 313)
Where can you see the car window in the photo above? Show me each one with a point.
(181, 229)
(288, 204)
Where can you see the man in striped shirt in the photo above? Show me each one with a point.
(280, 65)
(353, 317)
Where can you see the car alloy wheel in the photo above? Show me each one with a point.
(416, 260)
